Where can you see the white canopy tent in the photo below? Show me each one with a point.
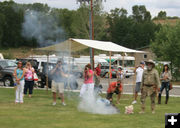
(73, 45)
(79, 44)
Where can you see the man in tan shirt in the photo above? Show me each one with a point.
(149, 85)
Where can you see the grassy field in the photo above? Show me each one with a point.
(38, 112)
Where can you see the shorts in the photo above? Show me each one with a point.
(57, 87)
(138, 86)
(109, 96)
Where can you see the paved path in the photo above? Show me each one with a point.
(128, 86)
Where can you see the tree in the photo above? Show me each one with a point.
(12, 25)
(134, 31)
(2, 23)
(80, 26)
(167, 44)
(140, 14)
(120, 27)
(65, 18)
(162, 15)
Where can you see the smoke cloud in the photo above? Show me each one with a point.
(96, 105)
(43, 27)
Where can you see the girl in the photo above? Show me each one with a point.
(165, 79)
(19, 76)
(29, 79)
(120, 74)
(88, 81)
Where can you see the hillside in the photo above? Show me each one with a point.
(166, 21)
(13, 53)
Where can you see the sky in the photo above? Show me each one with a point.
(172, 7)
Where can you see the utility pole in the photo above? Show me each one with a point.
(91, 26)
(91, 21)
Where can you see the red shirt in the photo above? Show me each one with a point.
(113, 86)
(98, 71)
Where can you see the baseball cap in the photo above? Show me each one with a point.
(142, 62)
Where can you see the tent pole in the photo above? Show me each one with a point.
(109, 67)
(70, 66)
(123, 67)
(134, 78)
(47, 68)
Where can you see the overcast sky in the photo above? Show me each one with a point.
(172, 7)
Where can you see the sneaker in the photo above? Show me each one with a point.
(54, 103)
(141, 112)
(63, 104)
(134, 102)
(153, 112)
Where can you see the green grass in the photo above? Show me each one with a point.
(38, 112)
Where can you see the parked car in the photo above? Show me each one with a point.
(6, 72)
(1, 56)
(75, 70)
(74, 73)
(33, 62)
(105, 71)
(127, 71)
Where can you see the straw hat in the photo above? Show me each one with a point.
(151, 62)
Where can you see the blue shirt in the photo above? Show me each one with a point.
(19, 73)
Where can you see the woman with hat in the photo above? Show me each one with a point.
(165, 78)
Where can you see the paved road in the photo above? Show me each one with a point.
(128, 86)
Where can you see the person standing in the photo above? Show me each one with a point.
(97, 77)
(139, 71)
(19, 77)
(149, 85)
(119, 74)
(58, 82)
(29, 79)
(114, 87)
(165, 78)
(88, 85)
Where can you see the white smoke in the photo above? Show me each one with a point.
(43, 27)
(96, 105)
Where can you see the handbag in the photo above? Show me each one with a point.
(35, 77)
(170, 86)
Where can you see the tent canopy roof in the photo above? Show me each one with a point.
(79, 44)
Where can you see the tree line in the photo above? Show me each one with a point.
(133, 31)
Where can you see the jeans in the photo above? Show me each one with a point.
(28, 85)
(166, 86)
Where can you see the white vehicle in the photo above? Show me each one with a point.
(127, 63)
(1, 56)
(51, 59)
(83, 60)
